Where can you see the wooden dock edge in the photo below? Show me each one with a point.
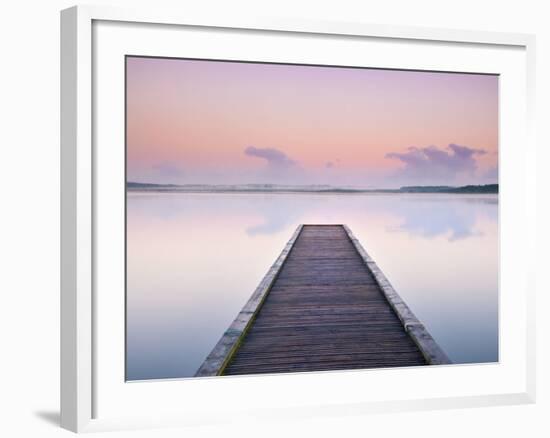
(431, 351)
(222, 353)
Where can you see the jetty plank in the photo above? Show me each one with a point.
(328, 307)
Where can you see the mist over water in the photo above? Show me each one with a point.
(193, 260)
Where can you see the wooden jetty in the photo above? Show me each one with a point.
(323, 305)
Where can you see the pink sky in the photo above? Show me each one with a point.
(218, 122)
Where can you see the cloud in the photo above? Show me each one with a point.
(433, 163)
(167, 169)
(492, 174)
(276, 159)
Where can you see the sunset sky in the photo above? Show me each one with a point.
(212, 122)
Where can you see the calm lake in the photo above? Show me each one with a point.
(193, 260)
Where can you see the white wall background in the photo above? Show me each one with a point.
(29, 218)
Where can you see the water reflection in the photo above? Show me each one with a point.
(430, 218)
(194, 259)
(275, 219)
(426, 216)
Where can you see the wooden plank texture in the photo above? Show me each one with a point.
(324, 311)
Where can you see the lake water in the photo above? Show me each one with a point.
(193, 260)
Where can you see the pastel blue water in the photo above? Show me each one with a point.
(194, 260)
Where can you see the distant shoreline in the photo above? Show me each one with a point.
(268, 188)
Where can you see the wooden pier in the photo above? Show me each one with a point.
(323, 305)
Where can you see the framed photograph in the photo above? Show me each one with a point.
(284, 217)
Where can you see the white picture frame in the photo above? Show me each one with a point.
(81, 169)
